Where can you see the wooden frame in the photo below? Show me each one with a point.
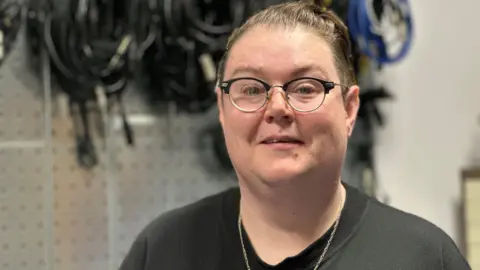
(469, 176)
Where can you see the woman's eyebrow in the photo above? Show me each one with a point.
(299, 71)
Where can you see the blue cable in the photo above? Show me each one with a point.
(368, 31)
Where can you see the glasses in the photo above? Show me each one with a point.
(304, 94)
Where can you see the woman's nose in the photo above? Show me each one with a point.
(278, 109)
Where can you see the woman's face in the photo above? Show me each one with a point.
(276, 56)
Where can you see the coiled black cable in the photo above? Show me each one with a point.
(208, 25)
(192, 34)
(210, 22)
(88, 42)
(145, 25)
(10, 24)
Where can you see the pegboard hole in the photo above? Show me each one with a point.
(148, 148)
(72, 186)
(151, 201)
(119, 167)
(134, 166)
(37, 115)
(149, 131)
(88, 222)
(121, 237)
(149, 166)
(151, 182)
(90, 239)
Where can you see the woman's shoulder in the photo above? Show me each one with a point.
(410, 231)
(184, 232)
(190, 216)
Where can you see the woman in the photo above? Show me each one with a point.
(288, 102)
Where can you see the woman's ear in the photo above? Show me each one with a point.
(220, 104)
(352, 104)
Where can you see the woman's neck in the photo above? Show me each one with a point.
(287, 219)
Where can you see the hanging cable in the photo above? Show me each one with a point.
(145, 25)
(210, 22)
(193, 33)
(10, 24)
(88, 42)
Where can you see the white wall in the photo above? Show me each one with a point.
(430, 124)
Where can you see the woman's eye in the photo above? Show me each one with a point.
(304, 90)
(252, 90)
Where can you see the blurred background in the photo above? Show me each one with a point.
(108, 118)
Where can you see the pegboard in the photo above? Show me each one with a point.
(55, 215)
(24, 226)
(25, 176)
(163, 171)
(21, 108)
(99, 212)
(80, 217)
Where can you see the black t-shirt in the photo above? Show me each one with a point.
(370, 235)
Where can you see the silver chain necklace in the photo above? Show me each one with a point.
(335, 226)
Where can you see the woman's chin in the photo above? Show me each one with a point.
(281, 176)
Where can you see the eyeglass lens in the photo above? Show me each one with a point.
(302, 94)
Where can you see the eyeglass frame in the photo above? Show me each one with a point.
(327, 85)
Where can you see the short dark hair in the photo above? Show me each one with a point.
(309, 14)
